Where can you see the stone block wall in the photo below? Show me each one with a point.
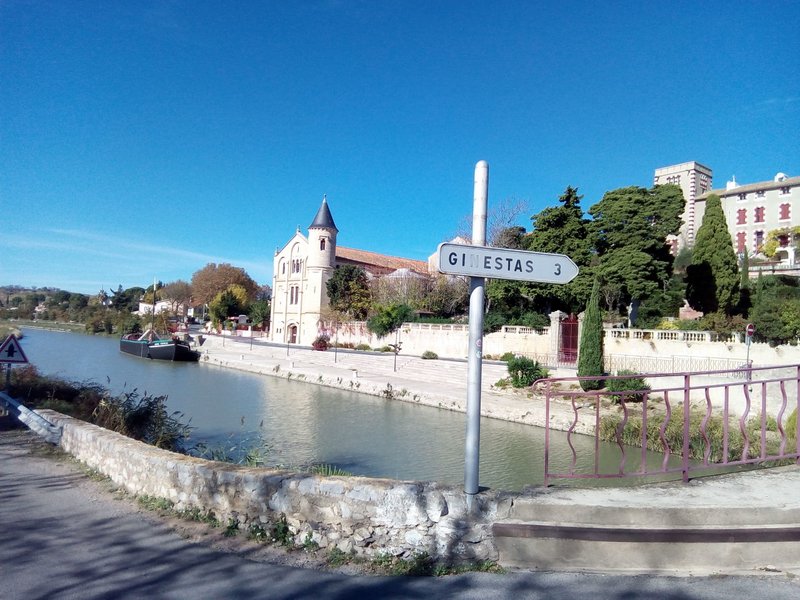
(367, 516)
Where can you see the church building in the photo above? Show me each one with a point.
(302, 268)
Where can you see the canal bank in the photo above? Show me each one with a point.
(437, 383)
(742, 523)
(520, 529)
(69, 536)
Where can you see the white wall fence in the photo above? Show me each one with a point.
(642, 350)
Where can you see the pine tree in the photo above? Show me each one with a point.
(712, 280)
(590, 356)
(631, 226)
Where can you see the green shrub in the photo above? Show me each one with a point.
(791, 426)
(143, 418)
(388, 318)
(430, 355)
(630, 389)
(524, 371)
(232, 528)
(77, 400)
(383, 349)
(257, 532)
(363, 347)
(336, 557)
(322, 342)
(507, 356)
(281, 532)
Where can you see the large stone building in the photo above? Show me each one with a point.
(695, 180)
(302, 268)
(756, 210)
(752, 211)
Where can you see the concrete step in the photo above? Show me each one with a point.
(725, 524)
(692, 551)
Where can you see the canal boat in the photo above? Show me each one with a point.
(149, 345)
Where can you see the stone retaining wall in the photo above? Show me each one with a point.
(354, 514)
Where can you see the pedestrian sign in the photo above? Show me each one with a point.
(11, 351)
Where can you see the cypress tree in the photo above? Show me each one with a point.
(590, 357)
(712, 280)
(744, 285)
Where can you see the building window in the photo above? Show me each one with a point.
(785, 211)
(759, 240)
(283, 268)
(784, 191)
(297, 265)
(742, 196)
(322, 244)
(741, 240)
(783, 241)
(741, 216)
(759, 214)
(294, 294)
(760, 194)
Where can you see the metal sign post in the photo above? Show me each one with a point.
(11, 353)
(474, 358)
(477, 261)
(749, 331)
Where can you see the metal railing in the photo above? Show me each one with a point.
(671, 364)
(682, 423)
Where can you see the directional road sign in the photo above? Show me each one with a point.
(502, 263)
(11, 351)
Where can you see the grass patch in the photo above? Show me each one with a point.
(309, 545)
(631, 434)
(337, 557)
(258, 533)
(155, 504)
(199, 516)
(327, 470)
(232, 528)
(422, 565)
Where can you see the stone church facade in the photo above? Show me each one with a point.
(301, 270)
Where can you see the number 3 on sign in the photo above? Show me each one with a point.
(557, 270)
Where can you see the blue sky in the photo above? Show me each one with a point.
(146, 139)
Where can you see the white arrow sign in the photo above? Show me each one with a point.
(502, 263)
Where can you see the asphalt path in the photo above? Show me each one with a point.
(64, 535)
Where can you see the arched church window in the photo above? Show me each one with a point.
(322, 244)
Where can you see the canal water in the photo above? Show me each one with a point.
(308, 424)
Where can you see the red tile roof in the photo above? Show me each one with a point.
(378, 264)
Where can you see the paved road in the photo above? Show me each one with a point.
(63, 535)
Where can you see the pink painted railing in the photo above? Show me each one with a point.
(695, 423)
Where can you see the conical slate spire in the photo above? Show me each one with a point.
(324, 219)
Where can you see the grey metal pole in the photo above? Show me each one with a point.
(474, 364)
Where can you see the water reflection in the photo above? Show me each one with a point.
(305, 423)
